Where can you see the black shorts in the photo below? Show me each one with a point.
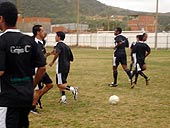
(14, 117)
(61, 78)
(120, 59)
(139, 66)
(45, 80)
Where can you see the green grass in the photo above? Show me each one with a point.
(141, 107)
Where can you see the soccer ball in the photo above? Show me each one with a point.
(114, 99)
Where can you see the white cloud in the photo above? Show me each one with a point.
(139, 5)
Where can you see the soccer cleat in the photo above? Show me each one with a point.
(133, 84)
(34, 111)
(39, 103)
(75, 93)
(113, 85)
(63, 100)
(147, 80)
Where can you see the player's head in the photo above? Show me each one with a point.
(118, 31)
(60, 36)
(38, 31)
(8, 14)
(137, 37)
(140, 37)
(145, 36)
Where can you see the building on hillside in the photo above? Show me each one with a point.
(25, 24)
(69, 28)
(142, 22)
(116, 18)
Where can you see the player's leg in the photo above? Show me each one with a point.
(123, 62)
(48, 84)
(23, 117)
(35, 101)
(59, 83)
(147, 79)
(74, 90)
(62, 84)
(135, 73)
(115, 72)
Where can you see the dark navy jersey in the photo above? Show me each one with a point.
(42, 47)
(132, 45)
(19, 55)
(65, 56)
(120, 50)
(140, 49)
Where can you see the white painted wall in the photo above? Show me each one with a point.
(106, 39)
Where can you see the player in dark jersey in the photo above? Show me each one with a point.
(140, 51)
(19, 55)
(138, 37)
(119, 55)
(64, 55)
(39, 34)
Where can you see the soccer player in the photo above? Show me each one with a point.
(140, 51)
(119, 55)
(39, 35)
(19, 55)
(138, 38)
(64, 55)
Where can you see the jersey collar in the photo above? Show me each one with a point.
(11, 30)
(37, 40)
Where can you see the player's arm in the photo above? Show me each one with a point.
(118, 43)
(148, 51)
(56, 54)
(2, 56)
(39, 74)
(1, 73)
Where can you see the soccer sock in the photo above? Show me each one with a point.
(131, 65)
(72, 89)
(128, 73)
(68, 87)
(142, 74)
(133, 73)
(136, 77)
(63, 93)
(33, 107)
(115, 73)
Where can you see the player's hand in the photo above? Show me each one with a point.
(51, 64)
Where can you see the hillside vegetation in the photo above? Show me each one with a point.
(65, 11)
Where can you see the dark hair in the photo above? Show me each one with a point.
(35, 29)
(140, 37)
(119, 30)
(144, 34)
(61, 35)
(9, 12)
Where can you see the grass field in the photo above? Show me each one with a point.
(141, 107)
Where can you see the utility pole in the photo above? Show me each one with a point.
(78, 20)
(16, 2)
(156, 24)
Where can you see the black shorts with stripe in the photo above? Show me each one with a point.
(61, 78)
(45, 80)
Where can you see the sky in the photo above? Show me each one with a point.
(140, 5)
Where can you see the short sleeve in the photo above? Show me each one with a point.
(2, 56)
(38, 56)
(58, 47)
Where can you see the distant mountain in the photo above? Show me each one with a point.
(65, 11)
